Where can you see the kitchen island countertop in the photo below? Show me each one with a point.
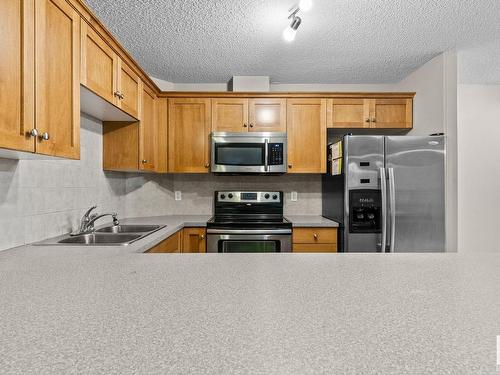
(114, 310)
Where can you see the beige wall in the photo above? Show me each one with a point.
(479, 173)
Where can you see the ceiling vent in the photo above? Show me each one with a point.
(249, 83)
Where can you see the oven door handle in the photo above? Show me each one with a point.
(248, 231)
(266, 155)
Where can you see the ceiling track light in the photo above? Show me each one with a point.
(290, 32)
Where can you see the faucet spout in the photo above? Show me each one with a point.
(88, 220)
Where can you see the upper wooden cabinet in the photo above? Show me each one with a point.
(40, 95)
(391, 113)
(267, 115)
(148, 146)
(17, 75)
(253, 115)
(106, 74)
(348, 113)
(57, 68)
(189, 128)
(306, 128)
(229, 115)
(353, 113)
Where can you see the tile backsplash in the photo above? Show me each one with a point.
(40, 199)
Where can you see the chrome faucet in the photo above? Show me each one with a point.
(88, 220)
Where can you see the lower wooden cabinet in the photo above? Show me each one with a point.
(194, 240)
(187, 240)
(172, 244)
(314, 240)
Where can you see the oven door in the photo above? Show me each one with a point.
(248, 243)
(248, 153)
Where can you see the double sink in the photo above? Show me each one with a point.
(115, 235)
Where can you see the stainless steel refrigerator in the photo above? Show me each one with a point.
(389, 195)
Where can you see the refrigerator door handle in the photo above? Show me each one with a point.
(383, 189)
(392, 209)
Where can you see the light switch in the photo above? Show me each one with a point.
(178, 195)
(294, 196)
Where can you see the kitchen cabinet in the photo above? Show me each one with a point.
(267, 115)
(249, 115)
(229, 115)
(314, 240)
(172, 244)
(189, 127)
(306, 130)
(391, 113)
(16, 75)
(348, 113)
(40, 103)
(106, 74)
(194, 240)
(148, 147)
(57, 83)
(378, 113)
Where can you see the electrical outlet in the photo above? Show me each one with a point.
(178, 195)
(294, 196)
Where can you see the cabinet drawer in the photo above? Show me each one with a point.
(314, 248)
(315, 235)
(172, 244)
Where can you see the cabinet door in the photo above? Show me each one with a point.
(99, 64)
(16, 75)
(147, 130)
(172, 244)
(230, 115)
(348, 113)
(57, 75)
(194, 240)
(306, 128)
(188, 135)
(267, 115)
(391, 113)
(128, 89)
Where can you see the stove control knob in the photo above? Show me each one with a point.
(222, 196)
(275, 196)
(266, 196)
(230, 196)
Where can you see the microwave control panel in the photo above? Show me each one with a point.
(275, 152)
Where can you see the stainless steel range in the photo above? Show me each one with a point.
(248, 222)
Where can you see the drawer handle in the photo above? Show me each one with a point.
(315, 236)
(202, 237)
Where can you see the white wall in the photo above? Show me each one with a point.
(479, 173)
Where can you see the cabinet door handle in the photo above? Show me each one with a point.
(315, 236)
(367, 120)
(119, 95)
(251, 125)
(202, 237)
(44, 136)
(33, 133)
(144, 161)
(245, 125)
(374, 119)
(289, 166)
(207, 165)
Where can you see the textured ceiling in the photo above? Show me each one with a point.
(339, 41)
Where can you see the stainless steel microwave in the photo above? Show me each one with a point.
(249, 153)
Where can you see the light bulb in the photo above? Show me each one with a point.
(305, 5)
(289, 34)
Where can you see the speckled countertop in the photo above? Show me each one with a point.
(110, 310)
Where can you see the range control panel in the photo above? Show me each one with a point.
(249, 196)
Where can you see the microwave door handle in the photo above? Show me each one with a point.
(383, 189)
(392, 208)
(266, 156)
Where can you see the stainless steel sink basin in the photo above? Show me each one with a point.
(129, 229)
(117, 235)
(101, 239)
